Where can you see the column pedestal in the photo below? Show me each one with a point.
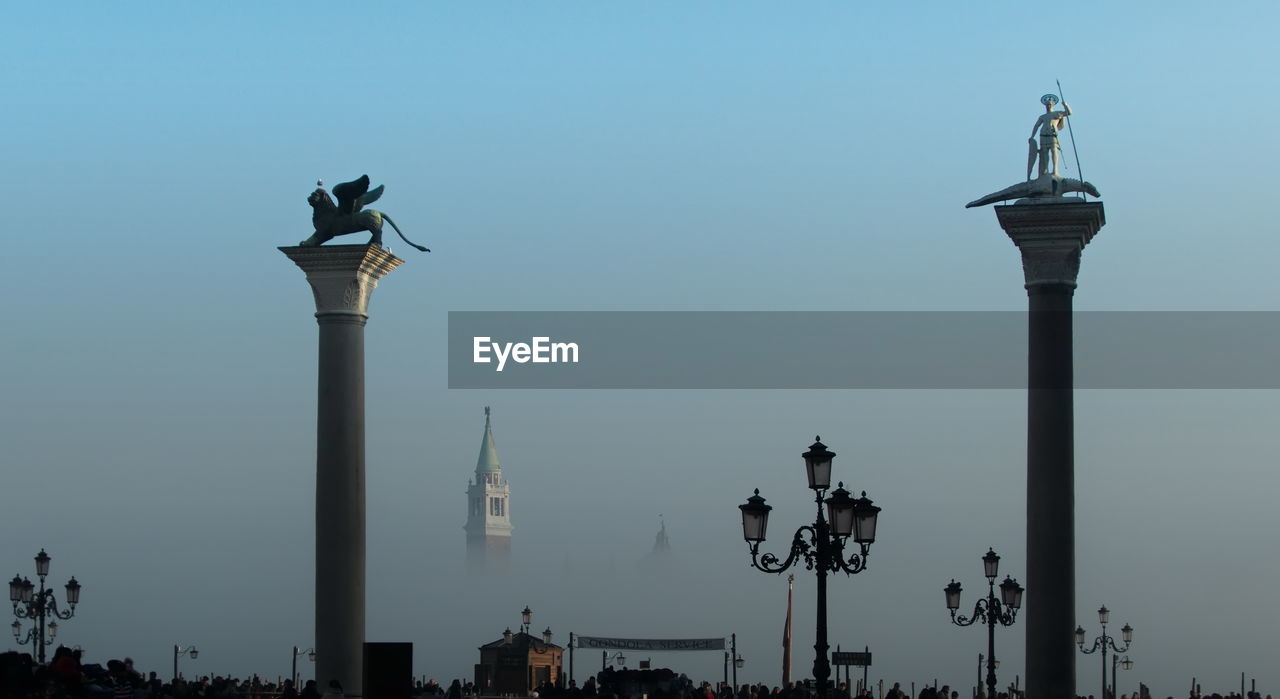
(1050, 237)
(342, 277)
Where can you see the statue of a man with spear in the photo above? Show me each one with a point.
(1048, 125)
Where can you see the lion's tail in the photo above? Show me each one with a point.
(393, 225)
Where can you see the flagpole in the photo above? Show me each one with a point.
(786, 639)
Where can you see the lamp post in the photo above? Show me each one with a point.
(732, 660)
(821, 545)
(180, 651)
(991, 610)
(617, 657)
(30, 603)
(526, 616)
(311, 655)
(1103, 641)
(1125, 663)
(735, 660)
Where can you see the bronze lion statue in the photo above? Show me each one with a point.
(334, 219)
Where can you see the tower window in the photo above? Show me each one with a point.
(497, 507)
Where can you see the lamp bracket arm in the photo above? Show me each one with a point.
(769, 562)
(855, 564)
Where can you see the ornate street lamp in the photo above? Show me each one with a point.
(992, 610)
(821, 545)
(180, 651)
(1103, 641)
(526, 616)
(30, 603)
(311, 655)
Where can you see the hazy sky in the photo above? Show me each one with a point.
(159, 372)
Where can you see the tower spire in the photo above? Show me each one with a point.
(488, 461)
(488, 506)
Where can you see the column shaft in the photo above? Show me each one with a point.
(340, 502)
(1050, 613)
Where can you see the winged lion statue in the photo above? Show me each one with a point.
(348, 215)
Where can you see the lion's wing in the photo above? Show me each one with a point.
(349, 194)
(369, 197)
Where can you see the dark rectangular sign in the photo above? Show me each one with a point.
(856, 659)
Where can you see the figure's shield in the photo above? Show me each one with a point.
(1032, 151)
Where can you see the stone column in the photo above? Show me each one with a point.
(342, 277)
(1050, 237)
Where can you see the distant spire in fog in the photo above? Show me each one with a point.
(662, 545)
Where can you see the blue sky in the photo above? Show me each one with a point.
(159, 367)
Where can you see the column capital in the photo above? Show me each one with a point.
(1050, 237)
(343, 277)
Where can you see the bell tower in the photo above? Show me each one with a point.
(488, 508)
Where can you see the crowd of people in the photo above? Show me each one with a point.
(66, 676)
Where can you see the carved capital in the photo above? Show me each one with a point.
(343, 277)
(1050, 237)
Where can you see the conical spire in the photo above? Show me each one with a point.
(488, 461)
(662, 545)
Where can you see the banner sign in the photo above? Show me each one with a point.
(652, 644)
(856, 659)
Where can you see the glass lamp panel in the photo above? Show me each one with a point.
(526, 616)
(953, 595)
(817, 465)
(1127, 633)
(864, 520)
(15, 589)
(1079, 635)
(1103, 614)
(755, 518)
(42, 563)
(73, 592)
(194, 654)
(991, 564)
(1010, 593)
(840, 512)
(28, 590)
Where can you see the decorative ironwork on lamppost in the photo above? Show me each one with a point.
(30, 603)
(991, 610)
(180, 651)
(1103, 641)
(821, 545)
(311, 655)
